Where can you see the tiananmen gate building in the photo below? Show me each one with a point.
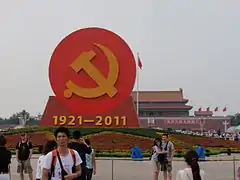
(169, 109)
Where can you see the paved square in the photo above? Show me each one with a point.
(142, 170)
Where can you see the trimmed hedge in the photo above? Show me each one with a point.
(124, 154)
(146, 132)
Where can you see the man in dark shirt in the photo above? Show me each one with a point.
(82, 148)
(5, 156)
(24, 151)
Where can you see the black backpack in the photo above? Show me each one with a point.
(23, 152)
(163, 157)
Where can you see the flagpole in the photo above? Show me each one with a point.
(137, 87)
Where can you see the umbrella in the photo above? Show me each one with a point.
(233, 129)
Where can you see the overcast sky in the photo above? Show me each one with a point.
(194, 45)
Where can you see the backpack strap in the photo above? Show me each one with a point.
(161, 145)
(54, 160)
(73, 156)
(20, 142)
(166, 146)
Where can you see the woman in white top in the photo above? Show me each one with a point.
(193, 171)
(154, 157)
(48, 147)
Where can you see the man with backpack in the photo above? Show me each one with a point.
(62, 163)
(166, 159)
(82, 148)
(24, 150)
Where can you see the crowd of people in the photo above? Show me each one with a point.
(75, 160)
(60, 159)
(212, 133)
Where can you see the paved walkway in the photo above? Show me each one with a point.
(142, 170)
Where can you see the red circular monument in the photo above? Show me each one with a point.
(92, 70)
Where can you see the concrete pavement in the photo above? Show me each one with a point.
(142, 170)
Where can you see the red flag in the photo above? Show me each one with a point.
(200, 109)
(139, 62)
(225, 109)
(208, 109)
(216, 109)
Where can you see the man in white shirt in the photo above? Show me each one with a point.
(62, 163)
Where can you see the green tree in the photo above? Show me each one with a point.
(235, 119)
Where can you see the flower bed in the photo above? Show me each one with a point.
(119, 141)
(37, 138)
(122, 140)
(205, 141)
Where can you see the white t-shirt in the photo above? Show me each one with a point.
(39, 167)
(186, 174)
(67, 162)
(89, 160)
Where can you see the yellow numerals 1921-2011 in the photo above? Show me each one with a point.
(98, 121)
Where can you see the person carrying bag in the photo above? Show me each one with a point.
(63, 171)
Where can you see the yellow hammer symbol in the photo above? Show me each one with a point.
(105, 85)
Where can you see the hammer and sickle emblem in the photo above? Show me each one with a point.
(105, 85)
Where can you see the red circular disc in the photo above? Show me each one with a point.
(82, 41)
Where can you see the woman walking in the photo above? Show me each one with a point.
(192, 171)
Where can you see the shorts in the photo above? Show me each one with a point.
(166, 167)
(156, 166)
(24, 166)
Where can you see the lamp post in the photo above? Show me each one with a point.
(225, 123)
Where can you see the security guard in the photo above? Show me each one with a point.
(5, 156)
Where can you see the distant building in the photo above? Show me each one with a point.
(169, 109)
(7, 126)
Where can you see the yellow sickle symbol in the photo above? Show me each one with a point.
(105, 85)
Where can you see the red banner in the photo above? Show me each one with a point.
(185, 122)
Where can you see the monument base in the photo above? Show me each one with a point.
(122, 116)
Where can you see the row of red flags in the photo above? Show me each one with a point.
(215, 109)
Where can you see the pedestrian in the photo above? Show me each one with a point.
(166, 160)
(24, 150)
(5, 157)
(192, 171)
(49, 146)
(90, 162)
(82, 148)
(62, 163)
(156, 156)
